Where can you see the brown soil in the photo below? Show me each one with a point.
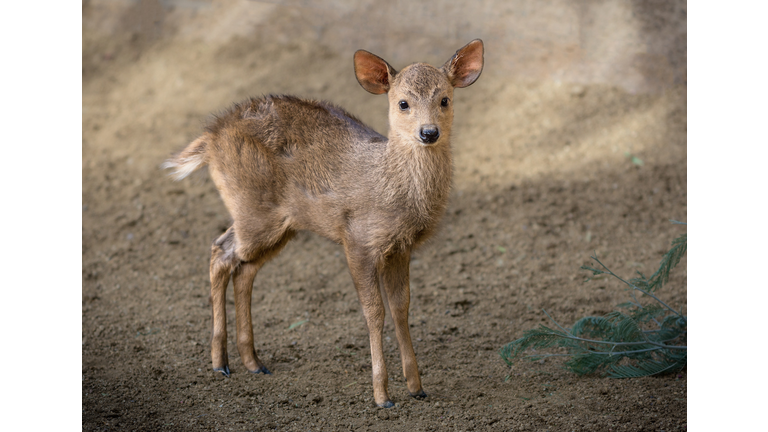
(542, 181)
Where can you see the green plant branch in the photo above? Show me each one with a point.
(610, 353)
(598, 344)
(645, 342)
(608, 271)
(636, 302)
(556, 323)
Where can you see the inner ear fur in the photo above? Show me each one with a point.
(465, 66)
(372, 72)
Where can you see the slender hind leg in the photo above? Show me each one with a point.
(223, 261)
(242, 279)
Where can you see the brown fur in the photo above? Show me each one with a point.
(284, 164)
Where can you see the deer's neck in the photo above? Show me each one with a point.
(417, 179)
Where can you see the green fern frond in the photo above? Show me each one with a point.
(627, 330)
(679, 323)
(591, 326)
(672, 328)
(587, 364)
(647, 368)
(647, 313)
(627, 305)
(640, 282)
(666, 336)
(595, 272)
(542, 337)
(668, 262)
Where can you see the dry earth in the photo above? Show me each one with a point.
(542, 181)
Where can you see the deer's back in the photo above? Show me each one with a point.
(292, 159)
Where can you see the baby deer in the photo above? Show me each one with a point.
(284, 164)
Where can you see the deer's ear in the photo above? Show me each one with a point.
(372, 72)
(465, 66)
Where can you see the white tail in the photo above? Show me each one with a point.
(190, 159)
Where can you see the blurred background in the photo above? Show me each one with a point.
(558, 81)
(638, 45)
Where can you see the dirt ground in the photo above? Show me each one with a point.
(543, 178)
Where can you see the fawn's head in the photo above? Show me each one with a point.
(420, 96)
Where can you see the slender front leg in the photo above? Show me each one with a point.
(365, 276)
(242, 280)
(395, 279)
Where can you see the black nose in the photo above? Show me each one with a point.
(429, 134)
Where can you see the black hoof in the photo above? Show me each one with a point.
(262, 369)
(224, 371)
(387, 404)
(420, 395)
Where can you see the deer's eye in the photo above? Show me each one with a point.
(403, 105)
(444, 102)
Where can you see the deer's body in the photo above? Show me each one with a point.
(284, 164)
